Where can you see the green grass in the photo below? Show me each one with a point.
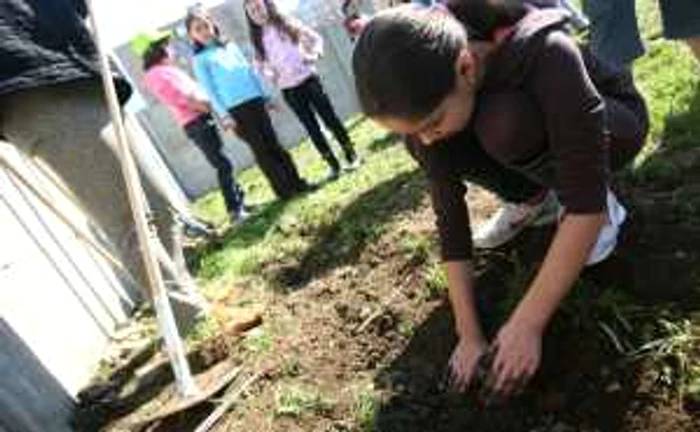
(296, 401)
(287, 229)
(258, 341)
(365, 408)
(330, 227)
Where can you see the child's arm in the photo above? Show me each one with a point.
(574, 117)
(452, 220)
(472, 343)
(311, 42)
(266, 70)
(203, 75)
(519, 340)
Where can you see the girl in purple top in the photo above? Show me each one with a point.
(286, 52)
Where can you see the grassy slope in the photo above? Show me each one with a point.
(332, 224)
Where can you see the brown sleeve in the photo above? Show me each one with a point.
(447, 194)
(574, 119)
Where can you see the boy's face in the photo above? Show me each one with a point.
(453, 113)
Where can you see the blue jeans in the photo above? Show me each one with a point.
(615, 34)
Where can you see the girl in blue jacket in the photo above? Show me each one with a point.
(238, 97)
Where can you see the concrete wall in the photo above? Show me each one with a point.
(59, 301)
(188, 165)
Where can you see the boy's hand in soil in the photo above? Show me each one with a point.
(518, 349)
(464, 361)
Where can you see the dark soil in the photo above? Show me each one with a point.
(584, 383)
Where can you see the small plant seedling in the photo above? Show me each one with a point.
(295, 401)
(365, 409)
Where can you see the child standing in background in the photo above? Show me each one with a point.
(286, 52)
(237, 94)
(192, 110)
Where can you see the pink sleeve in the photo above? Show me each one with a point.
(170, 88)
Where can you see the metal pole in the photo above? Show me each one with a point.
(144, 228)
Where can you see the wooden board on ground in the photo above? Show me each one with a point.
(209, 383)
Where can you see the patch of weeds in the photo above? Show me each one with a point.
(291, 367)
(203, 330)
(365, 409)
(258, 341)
(435, 281)
(674, 354)
(406, 328)
(296, 401)
(416, 247)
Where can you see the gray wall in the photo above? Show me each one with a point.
(188, 165)
(59, 300)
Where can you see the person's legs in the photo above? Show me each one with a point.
(525, 202)
(276, 150)
(614, 32)
(322, 104)
(681, 19)
(65, 126)
(204, 134)
(255, 127)
(519, 121)
(299, 100)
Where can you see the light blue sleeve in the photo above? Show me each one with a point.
(203, 75)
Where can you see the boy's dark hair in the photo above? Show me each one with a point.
(404, 61)
(277, 20)
(155, 54)
(201, 14)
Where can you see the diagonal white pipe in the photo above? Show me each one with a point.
(144, 228)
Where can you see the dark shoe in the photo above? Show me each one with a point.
(353, 164)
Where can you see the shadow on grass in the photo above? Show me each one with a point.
(586, 380)
(358, 224)
(246, 235)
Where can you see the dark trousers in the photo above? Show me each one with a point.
(205, 135)
(308, 99)
(255, 128)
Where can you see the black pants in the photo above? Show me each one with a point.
(205, 135)
(255, 128)
(308, 99)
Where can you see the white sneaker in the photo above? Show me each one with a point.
(607, 239)
(511, 218)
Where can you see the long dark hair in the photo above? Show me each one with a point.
(200, 14)
(277, 20)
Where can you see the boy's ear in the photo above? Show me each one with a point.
(465, 65)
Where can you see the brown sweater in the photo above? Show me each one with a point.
(549, 110)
